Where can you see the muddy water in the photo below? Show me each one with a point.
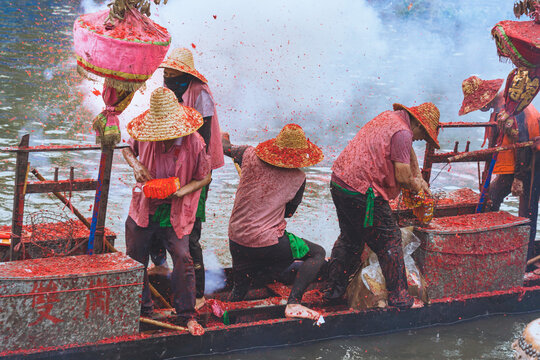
(41, 94)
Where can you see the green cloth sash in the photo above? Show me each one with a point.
(163, 215)
(299, 247)
(370, 202)
(226, 320)
(346, 191)
(201, 207)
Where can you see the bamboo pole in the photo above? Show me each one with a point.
(85, 221)
(162, 324)
(533, 260)
(493, 150)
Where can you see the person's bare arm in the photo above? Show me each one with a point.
(415, 169)
(140, 172)
(405, 178)
(193, 186)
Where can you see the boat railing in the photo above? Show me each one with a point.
(432, 157)
(95, 243)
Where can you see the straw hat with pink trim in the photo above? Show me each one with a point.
(165, 120)
(181, 59)
(428, 116)
(290, 149)
(477, 93)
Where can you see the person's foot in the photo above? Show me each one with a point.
(199, 303)
(417, 303)
(300, 311)
(195, 328)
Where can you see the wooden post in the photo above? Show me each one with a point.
(97, 228)
(21, 173)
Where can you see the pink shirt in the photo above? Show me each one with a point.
(367, 160)
(191, 163)
(196, 96)
(258, 215)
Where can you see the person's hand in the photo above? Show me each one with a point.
(517, 187)
(141, 173)
(226, 143)
(425, 187)
(501, 119)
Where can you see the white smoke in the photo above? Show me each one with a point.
(330, 66)
(214, 273)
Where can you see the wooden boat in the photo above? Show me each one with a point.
(259, 321)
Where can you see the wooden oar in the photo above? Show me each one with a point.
(85, 221)
(162, 324)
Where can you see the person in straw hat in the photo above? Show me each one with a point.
(369, 172)
(271, 188)
(191, 89)
(164, 143)
(513, 167)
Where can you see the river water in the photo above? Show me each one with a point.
(330, 70)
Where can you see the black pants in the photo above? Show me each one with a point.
(248, 263)
(384, 238)
(159, 256)
(139, 240)
(499, 189)
(529, 209)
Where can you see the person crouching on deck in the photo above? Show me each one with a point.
(369, 172)
(191, 89)
(271, 188)
(166, 143)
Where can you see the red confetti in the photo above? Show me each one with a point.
(193, 45)
(214, 16)
(96, 92)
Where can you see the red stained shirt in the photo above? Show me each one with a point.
(258, 216)
(367, 161)
(187, 159)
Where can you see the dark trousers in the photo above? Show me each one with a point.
(248, 263)
(138, 243)
(499, 189)
(528, 207)
(384, 238)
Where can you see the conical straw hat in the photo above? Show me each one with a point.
(477, 93)
(181, 59)
(428, 116)
(165, 120)
(290, 149)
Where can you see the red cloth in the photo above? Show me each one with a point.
(192, 164)
(258, 215)
(366, 162)
(215, 149)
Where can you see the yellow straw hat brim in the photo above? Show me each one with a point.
(427, 116)
(289, 158)
(176, 65)
(153, 127)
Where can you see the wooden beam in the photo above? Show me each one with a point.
(21, 174)
(97, 229)
(36, 187)
(44, 148)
